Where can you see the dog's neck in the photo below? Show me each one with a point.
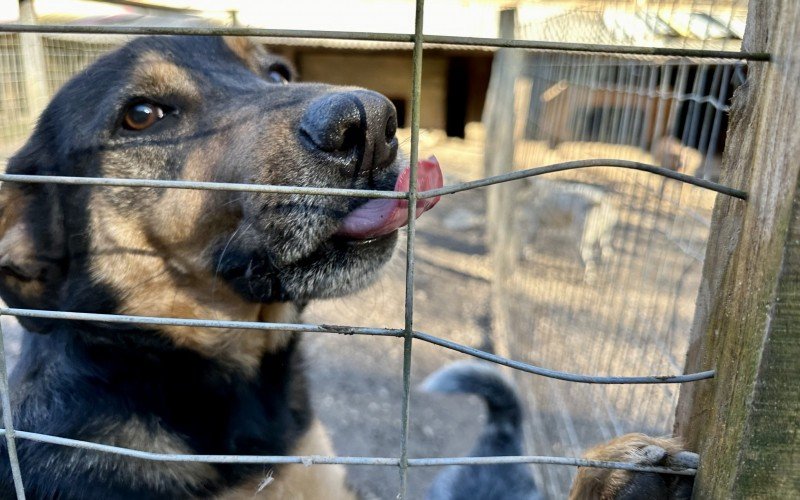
(133, 374)
(239, 349)
(178, 286)
(236, 349)
(122, 269)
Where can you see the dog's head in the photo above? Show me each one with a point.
(202, 109)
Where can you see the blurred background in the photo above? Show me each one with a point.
(593, 271)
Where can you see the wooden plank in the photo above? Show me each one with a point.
(34, 71)
(746, 422)
(500, 112)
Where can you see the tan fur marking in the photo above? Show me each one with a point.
(135, 434)
(152, 282)
(11, 206)
(245, 49)
(160, 76)
(18, 251)
(298, 482)
(603, 484)
(17, 245)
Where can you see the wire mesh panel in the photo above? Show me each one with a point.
(14, 112)
(602, 267)
(687, 24)
(32, 68)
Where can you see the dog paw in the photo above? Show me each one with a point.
(655, 455)
(642, 450)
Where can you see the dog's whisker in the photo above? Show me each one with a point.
(241, 228)
(422, 133)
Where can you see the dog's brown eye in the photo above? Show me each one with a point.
(142, 115)
(277, 77)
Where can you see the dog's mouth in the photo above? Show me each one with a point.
(380, 217)
(297, 266)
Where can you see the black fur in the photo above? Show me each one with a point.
(81, 378)
(502, 436)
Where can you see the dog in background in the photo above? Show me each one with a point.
(503, 436)
(582, 211)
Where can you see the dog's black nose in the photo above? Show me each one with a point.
(354, 129)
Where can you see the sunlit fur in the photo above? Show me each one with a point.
(615, 484)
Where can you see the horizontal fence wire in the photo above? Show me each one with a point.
(418, 40)
(309, 460)
(388, 37)
(559, 375)
(366, 193)
(200, 185)
(354, 330)
(576, 164)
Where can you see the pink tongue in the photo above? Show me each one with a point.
(382, 216)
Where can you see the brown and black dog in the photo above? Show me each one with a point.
(202, 109)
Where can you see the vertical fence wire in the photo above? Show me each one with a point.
(412, 215)
(8, 421)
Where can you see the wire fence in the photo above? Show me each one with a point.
(601, 267)
(32, 67)
(619, 78)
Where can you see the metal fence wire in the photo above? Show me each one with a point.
(598, 269)
(654, 90)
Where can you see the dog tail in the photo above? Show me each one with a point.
(502, 434)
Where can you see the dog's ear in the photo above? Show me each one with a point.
(32, 250)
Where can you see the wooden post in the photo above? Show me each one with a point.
(745, 423)
(34, 71)
(499, 117)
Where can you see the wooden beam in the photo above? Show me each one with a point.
(500, 116)
(34, 69)
(745, 423)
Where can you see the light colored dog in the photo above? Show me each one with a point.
(585, 212)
